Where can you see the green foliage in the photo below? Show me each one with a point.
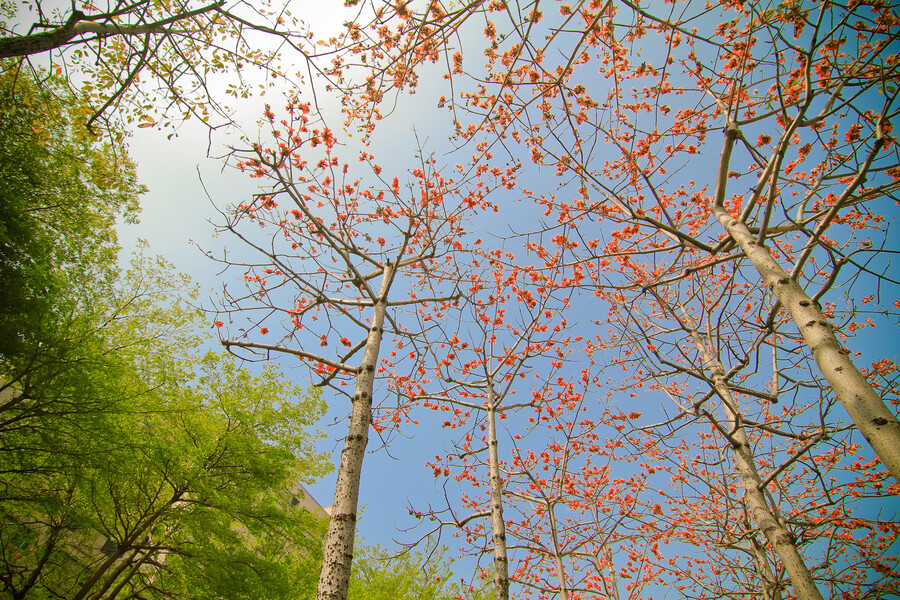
(379, 574)
(7, 12)
(179, 458)
(231, 529)
(133, 462)
(61, 193)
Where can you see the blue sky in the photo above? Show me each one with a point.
(176, 216)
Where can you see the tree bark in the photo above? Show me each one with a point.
(128, 563)
(81, 24)
(25, 45)
(877, 423)
(498, 525)
(334, 579)
(772, 528)
(771, 587)
(131, 573)
(563, 589)
(126, 546)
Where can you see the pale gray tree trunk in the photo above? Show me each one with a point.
(769, 524)
(771, 587)
(334, 579)
(498, 525)
(613, 576)
(870, 414)
(609, 581)
(557, 555)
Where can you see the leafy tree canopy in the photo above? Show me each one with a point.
(133, 462)
(60, 196)
(150, 62)
(379, 574)
(180, 463)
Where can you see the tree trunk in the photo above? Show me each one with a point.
(498, 525)
(126, 545)
(871, 416)
(771, 587)
(49, 547)
(131, 573)
(772, 528)
(557, 555)
(125, 564)
(334, 580)
(24, 45)
(80, 24)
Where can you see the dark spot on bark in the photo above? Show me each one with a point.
(810, 323)
(363, 394)
(839, 369)
(344, 517)
(805, 303)
(784, 280)
(880, 421)
(370, 368)
(785, 538)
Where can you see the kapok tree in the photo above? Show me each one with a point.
(765, 441)
(803, 98)
(801, 95)
(576, 503)
(696, 341)
(810, 118)
(335, 263)
(499, 358)
(561, 514)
